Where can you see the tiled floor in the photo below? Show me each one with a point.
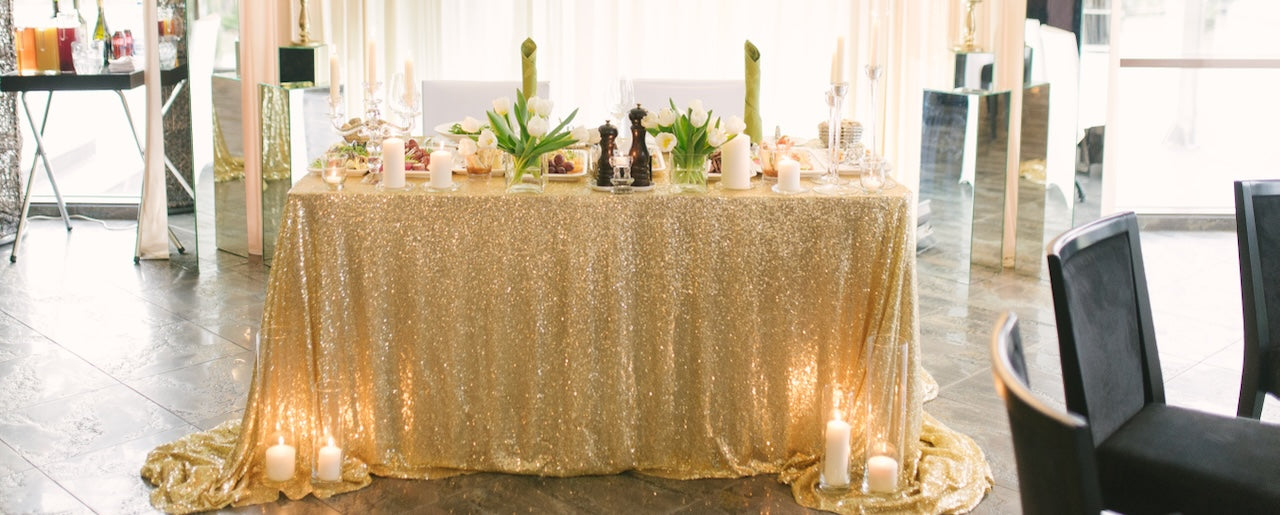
(101, 360)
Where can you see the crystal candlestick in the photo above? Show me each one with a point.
(830, 183)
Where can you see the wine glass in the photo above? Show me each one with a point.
(403, 102)
(622, 99)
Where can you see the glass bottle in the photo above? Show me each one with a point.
(46, 45)
(641, 162)
(102, 33)
(67, 25)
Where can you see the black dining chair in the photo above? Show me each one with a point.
(1151, 457)
(1053, 449)
(1258, 236)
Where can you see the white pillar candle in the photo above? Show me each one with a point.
(837, 62)
(372, 63)
(735, 163)
(441, 169)
(408, 82)
(788, 175)
(329, 462)
(835, 465)
(393, 163)
(335, 79)
(882, 474)
(280, 461)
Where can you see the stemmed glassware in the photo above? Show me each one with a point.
(830, 183)
(403, 109)
(622, 99)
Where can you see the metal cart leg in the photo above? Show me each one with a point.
(41, 157)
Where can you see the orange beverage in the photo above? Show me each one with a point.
(47, 49)
(27, 52)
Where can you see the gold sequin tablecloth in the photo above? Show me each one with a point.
(570, 333)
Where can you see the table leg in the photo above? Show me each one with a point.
(44, 156)
(40, 157)
(132, 129)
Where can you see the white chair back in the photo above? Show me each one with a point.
(449, 101)
(724, 97)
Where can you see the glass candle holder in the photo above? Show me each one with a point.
(334, 170)
(328, 443)
(837, 405)
(873, 177)
(884, 414)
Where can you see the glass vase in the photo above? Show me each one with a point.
(525, 176)
(884, 414)
(689, 171)
(837, 408)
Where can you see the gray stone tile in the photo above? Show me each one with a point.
(60, 429)
(107, 480)
(201, 391)
(1205, 388)
(17, 340)
(987, 427)
(11, 462)
(306, 506)
(389, 495)
(51, 373)
(217, 420)
(157, 349)
(999, 501)
(33, 492)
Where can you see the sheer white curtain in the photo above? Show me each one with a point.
(584, 47)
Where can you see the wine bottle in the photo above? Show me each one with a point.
(102, 33)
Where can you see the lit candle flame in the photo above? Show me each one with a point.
(281, 440)
(330, 441)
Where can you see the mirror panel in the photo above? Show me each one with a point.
(963, 159)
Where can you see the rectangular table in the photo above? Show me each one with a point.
(118, 82)
(568, 333)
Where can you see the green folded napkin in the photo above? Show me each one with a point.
(751, 111)
(529, 67)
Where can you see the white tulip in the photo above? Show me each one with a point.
(698, 117)
(540, 106)
(649, 121)
(666, 117)
(470, 125)
(537, 127)
(666, 141)
(696, 105)
(735, 125)
(580, 134)
(466, 147)
(502, 106)
(487, 139)
(716, 137)
(593, 136)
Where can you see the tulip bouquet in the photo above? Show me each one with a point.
(523, 132)
(690, 136)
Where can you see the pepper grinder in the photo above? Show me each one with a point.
(608, 144)
(641, 165)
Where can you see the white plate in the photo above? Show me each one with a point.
(443, 130)
(566, 177)
(819, 160)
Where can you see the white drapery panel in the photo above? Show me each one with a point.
(153, 213)
(585, 46)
